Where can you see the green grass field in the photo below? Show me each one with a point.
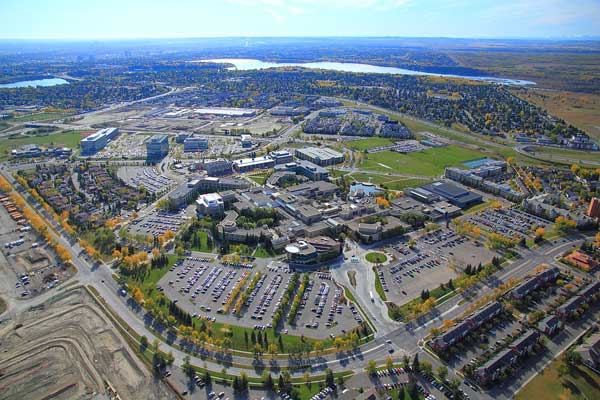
(68, 138)
(379, 286)
(376, 257)
(260, 178)
(364, 144)
(580, 384)
(38, 117)
(430, 162)
(389, 182)
(203, 237)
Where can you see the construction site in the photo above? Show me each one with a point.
(67, 348)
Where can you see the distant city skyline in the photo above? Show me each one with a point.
(112, 19)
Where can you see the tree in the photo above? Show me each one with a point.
(187, 367)
(563, 225)
(454, 385)
(405, 361)
(416, 366)
(144, 342)
(272, 350)
(442, 372)
(267, 380)
(389, 363)
(426, 368)
(329, 380)
(371, 367)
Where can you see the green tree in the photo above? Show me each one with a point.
(442, 372)
(371, 367)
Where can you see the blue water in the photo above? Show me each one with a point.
(367, 189)
(477, 163)
(244, 64)
(35, 83)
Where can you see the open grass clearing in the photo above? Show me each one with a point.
(38, 117)
(388, 181)
(63, 139)
(379, 286)
(430, 162)
(579, 384)
(376, 257)
(364, 144)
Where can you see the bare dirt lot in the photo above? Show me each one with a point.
(68, 349)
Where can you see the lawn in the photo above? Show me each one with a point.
(581, 383)
(389, 182)
(364, 144)
(64, 139)
(430, 162)
(376, 257)
(38, 117)
(260, 178)
(476, 207)
(202, 238)
(2, 306)
(379, 286)
(261, 252)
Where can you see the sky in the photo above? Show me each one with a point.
(81, 19)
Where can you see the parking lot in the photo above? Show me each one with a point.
(27, 266)
(157, 222)
(148, 177)
(509, 222)
(428, 263)
(210, 289)
(125, 146)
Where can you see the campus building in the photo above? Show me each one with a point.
(157, 148)
(250, 164)
(322, 156)
(453, 194)
(281, 157)
(210, 204)
(195, 143)
(246, 141)
(306, 168)
(217, 167)
(97, 141)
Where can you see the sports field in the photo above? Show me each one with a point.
(364, 144)
(389, 182)
(64, 139)
(430, 162)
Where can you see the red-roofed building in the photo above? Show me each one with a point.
(582, 260)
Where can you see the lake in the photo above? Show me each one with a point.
(244, 64)
(35, 83)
